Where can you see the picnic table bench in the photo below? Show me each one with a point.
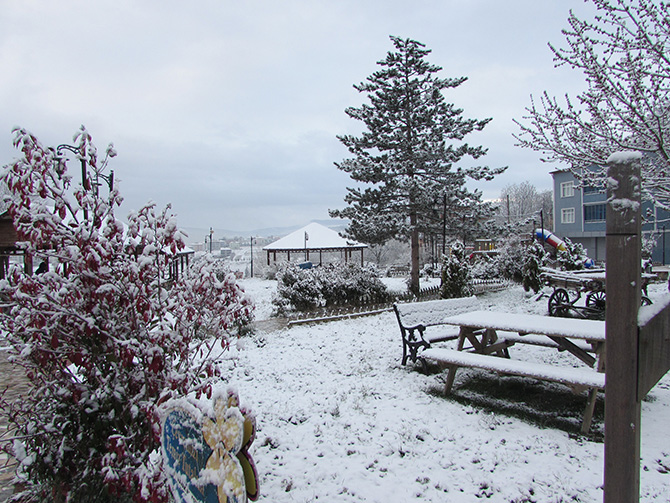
(488, 350)
(422, 323)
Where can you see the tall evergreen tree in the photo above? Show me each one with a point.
(408, 153)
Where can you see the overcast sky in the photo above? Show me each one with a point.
(229, 110)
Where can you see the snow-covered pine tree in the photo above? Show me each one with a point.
(535, 257)
(624, 54)
(456, 280)
(573, 257)
(409, 151)
(102, 339)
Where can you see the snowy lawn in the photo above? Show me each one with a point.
(339, 419)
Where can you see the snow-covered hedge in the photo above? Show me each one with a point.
(328, 285)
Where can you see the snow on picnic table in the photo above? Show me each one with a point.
(592, 330)
(339, 419)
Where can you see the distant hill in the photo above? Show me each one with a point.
(196, 235)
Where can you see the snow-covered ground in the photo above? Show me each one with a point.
(339, 419)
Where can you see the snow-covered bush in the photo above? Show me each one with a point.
(485, 268)
(573, 257)
(649, 241)
(429, 270)
(331, 284)
(297, 289)
(456, 280)
(510, 260)
(351, 284)
(534, 260)
(103, 336)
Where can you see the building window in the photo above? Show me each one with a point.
(568, 216)
(591, 189)
(594, 213)
(567, 189)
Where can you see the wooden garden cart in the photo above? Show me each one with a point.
(570, 286)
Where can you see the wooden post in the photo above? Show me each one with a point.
(28, 264)
(622, 408)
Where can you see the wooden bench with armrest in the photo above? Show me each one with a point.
(421, 323)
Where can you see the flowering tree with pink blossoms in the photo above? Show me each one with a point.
(623, 53)
(103, 335)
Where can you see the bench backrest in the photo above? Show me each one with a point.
(433, 312)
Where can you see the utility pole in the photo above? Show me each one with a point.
(251, 244)
(508, 216)
(444, 226)
(664, 245)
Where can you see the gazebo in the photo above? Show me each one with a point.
(8, 246)
(311, 239)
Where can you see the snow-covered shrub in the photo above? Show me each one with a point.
(533, 262)
(297, 289)
(103, 336)
(429, 270)
(223, 273)
(331, 284)
(509, 262)
(572, 258)
(456, 281)
(485, 268)
(351, 284)
(269, 272)
(649, 241)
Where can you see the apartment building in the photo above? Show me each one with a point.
(579, 214)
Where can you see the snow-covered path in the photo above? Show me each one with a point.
(339, 419)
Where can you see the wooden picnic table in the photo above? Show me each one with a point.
(590, 330)
(490, 334)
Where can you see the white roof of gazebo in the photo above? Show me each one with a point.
(319, 237)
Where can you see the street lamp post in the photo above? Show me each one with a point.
(85, 181)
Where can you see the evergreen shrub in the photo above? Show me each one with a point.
(328, 285)
(456, 279)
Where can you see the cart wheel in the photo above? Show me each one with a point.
(559, 303)
(596, 300)
(645, 301)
